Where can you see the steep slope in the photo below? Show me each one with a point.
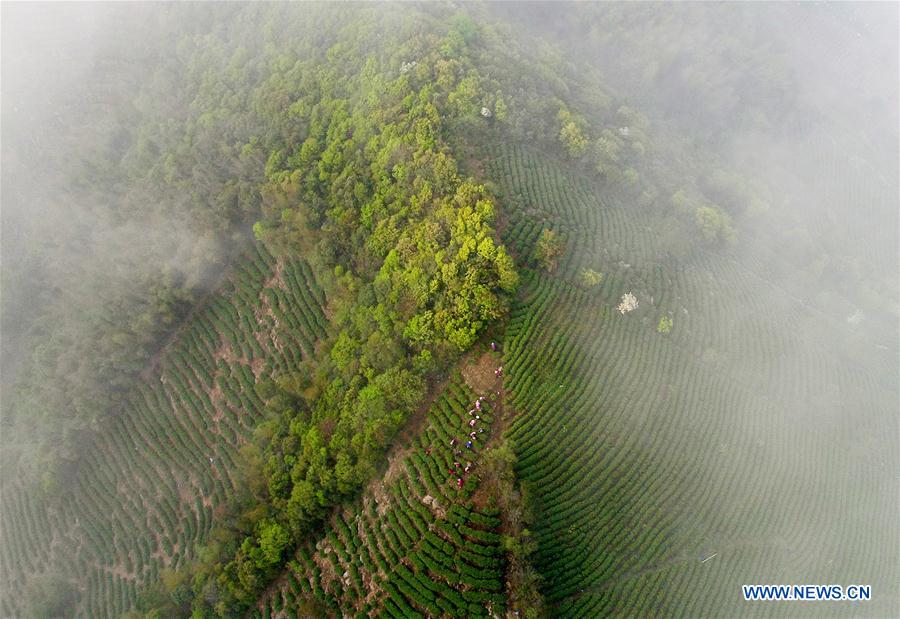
(144, 497)
(667, 469)
(414, 544)
(361, 184)
(725, 429)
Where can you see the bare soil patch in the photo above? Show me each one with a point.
(479, 373)
(276, 279)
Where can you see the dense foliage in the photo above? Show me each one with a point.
(365, 182)
(328, 122)
(375, 156)
(418, 546)
(127, 210)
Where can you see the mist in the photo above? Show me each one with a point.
(172, 173)
(83, 236)
(817, 236)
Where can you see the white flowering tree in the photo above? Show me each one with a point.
(629, 303)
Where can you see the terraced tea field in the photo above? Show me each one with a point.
(146, 492)
(669, 469)
(414, 545)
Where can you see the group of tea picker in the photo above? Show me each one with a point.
(476, 429)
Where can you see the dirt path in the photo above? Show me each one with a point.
(413, 426)
(479, 376)
(376, 488)
(479, 373)
(477, 369)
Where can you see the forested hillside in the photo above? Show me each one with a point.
(437, 310)
(357, 179)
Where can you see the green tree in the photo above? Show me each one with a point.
(714, 224)
(548, 250)
(273, 540)
(665, 324)
(571, 132)
(573, 139)
(500, 108)
(590, 278)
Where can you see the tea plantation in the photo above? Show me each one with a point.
(145, 496)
